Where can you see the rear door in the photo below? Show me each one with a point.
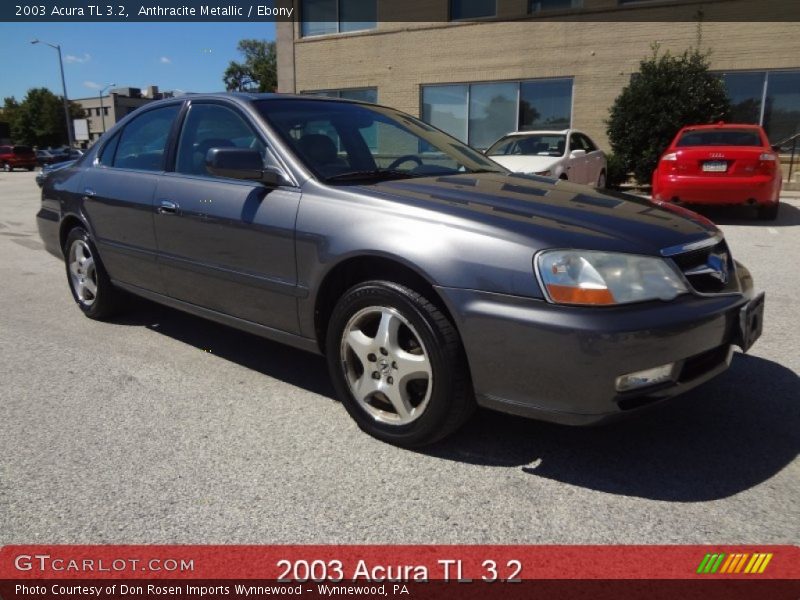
(227, 244)
(118, 195)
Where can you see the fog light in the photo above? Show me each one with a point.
(640, 379)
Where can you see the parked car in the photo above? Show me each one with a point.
(48, 169)
(17, 157)
(720, 164)
(430, 277)
(49, 157)
(568, 154)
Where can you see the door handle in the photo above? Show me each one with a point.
(166, 207)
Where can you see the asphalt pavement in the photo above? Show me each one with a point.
(160, 427)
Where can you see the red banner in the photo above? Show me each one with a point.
(423, 571)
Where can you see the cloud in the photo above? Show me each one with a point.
(92, 85)
(164, 60)
(71, 58)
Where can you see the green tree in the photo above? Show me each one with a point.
(259, 68)
(667, 93)
(39, 119)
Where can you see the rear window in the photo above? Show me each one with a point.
(720, 137)
(22, 150)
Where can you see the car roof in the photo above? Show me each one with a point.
(721, 125)
(253, 96)
(541, 131)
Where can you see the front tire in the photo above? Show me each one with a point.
(398, 365)
(88, 281)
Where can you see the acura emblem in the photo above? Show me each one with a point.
(718, 265)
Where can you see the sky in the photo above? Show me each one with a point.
(188, 57)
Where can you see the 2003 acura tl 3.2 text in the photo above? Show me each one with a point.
(431, 278)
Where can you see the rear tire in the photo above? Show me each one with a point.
(88, 281)
(601, 181)
(768, 212)
(7, 168)
(397, 364)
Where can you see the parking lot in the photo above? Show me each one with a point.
(160, 427)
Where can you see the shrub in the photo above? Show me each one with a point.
(667, 93)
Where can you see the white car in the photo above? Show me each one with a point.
(567, 154)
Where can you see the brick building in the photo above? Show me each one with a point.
(480, 68)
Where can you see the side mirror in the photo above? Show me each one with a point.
(242, 163)
(577, 153)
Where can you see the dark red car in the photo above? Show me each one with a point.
(720, 164)
(17, 157)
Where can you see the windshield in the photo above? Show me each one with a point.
(720, 137)
(539, 144)
(342, 141)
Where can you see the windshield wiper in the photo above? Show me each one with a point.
(370, 174)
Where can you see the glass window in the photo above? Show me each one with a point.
(145, 138)
(547, 144)
(213, 126)
(320, 17)
(745, 91)
(540, 5)
(330, 138)
(482, 112)
(720, 137)
(357, 15)
(107, 153)
(472, 9)
(545, 104)
(492, 112)
(445, 107)
(782, 109)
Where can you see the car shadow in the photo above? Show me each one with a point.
(296, 367)
(725, 437)
(788, 215)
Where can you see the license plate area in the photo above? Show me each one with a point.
(715, 166)
(751, 322)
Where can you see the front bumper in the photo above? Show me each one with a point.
(560, 364)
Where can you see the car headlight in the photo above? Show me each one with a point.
(588, 277)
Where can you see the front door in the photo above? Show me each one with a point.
(226, 244)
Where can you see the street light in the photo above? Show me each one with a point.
(64, 88)
(102, 111)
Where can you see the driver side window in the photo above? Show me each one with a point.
(210, 126)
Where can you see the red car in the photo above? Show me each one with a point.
(720, 164)
(17, 157)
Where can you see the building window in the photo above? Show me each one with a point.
(767, 98)
(105, 110)
(320, 17)
(481, 113)
(535, 6)
(472, 9)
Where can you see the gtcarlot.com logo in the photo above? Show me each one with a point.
(734, 563)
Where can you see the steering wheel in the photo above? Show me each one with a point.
(406, 157)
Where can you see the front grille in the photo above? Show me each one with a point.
(694, 262)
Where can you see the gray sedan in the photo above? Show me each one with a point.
(431, 278)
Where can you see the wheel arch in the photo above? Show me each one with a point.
(366, 267)
(68, 223)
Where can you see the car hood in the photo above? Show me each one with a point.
(551, 213)
(526, 164)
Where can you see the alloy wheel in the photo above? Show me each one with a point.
(83, 272)
(386, 365)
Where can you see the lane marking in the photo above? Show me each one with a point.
(772, 230)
